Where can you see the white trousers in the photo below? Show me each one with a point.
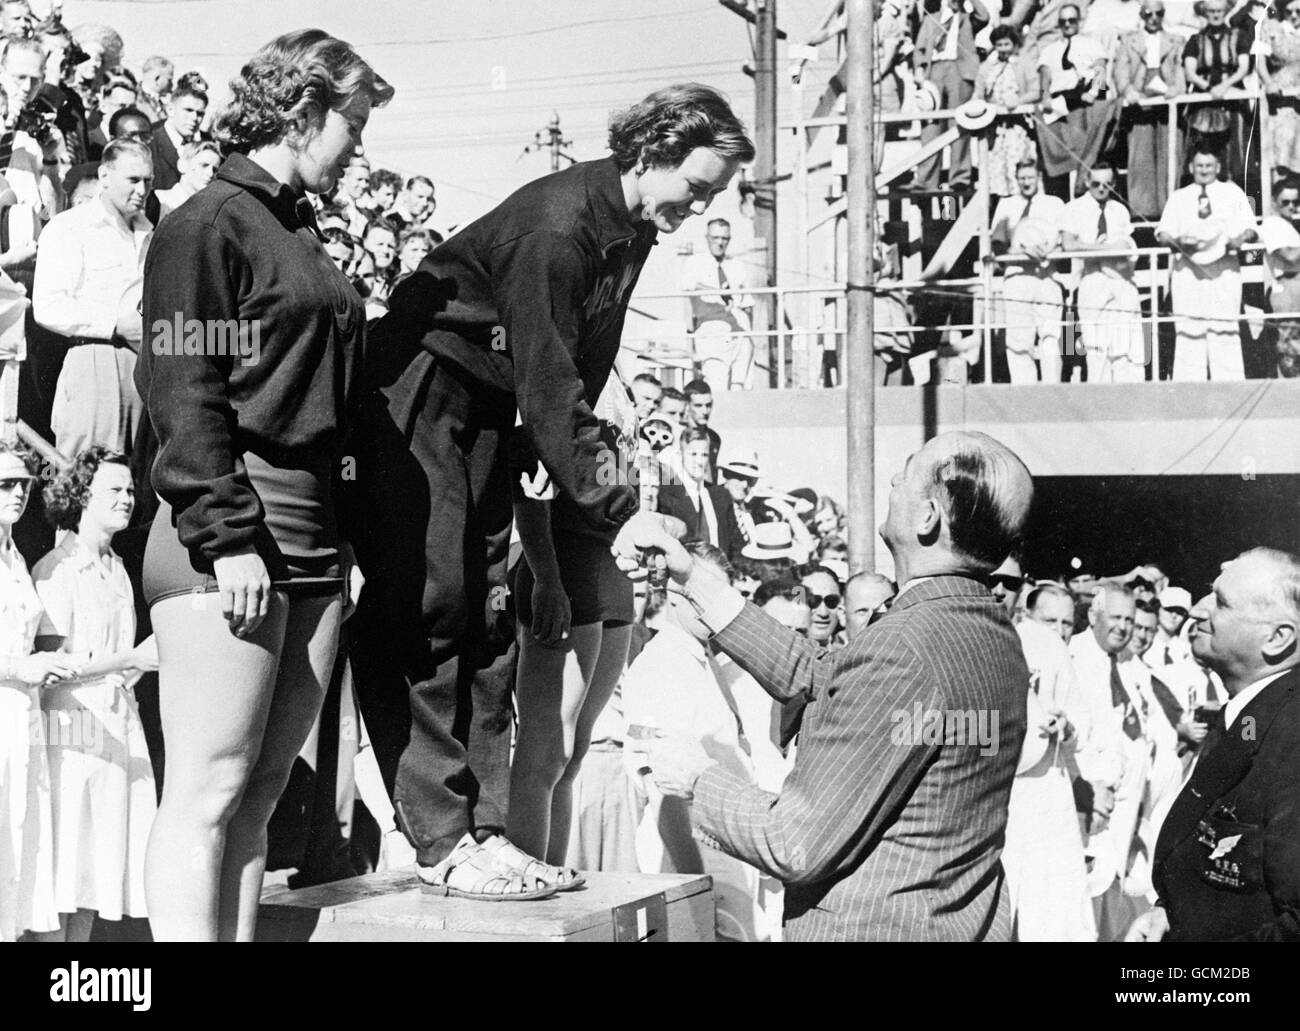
(1033, 319)
(1206, 310)
(1110, 322)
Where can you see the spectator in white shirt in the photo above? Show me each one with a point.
(88, 285)
(1072, 68)
(1110, 313)
(720, 321)
(1206, 222)
(1029, 224)
(1280, 235)
(676, 688)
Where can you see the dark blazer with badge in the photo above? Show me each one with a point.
(1227, 863)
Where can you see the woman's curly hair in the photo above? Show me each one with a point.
(670, 123)
(290, 84)
(66, 495)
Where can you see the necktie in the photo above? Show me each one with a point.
(1029, 201)
(1119, 699)
(1066, 64)
(1168, 657)
(1101, 220)
(706, 531)
(1203, 209)
(943, 40)
(722, 282)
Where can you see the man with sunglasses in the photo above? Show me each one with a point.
(1280, 235)
(1110, 313)
(823, 594)
(1148, 63)
(1004, 583)
(877, 835)
(1073, 68)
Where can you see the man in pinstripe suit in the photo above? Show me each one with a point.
(881, 832)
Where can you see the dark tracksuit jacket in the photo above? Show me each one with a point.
(521, 311)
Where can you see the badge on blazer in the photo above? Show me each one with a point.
(1234, 857)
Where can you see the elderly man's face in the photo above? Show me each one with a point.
(719, 239)
(25, 71)
(1055, 611)
(1113, 621)
(1069, 21)
(1215, 11)
(1233, 624)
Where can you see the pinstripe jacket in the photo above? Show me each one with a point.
(889, 828)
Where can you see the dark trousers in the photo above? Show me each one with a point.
(953, 92)
(433, 646)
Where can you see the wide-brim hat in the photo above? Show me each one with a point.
(1176, 598)
(1216, 247)
(974, 115)
(771, 541)
(927, 97)
(740, 463)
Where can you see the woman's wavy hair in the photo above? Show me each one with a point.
(66, 495)
(670, 123)
(290, 84)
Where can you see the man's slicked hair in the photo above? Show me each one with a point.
(976, 485)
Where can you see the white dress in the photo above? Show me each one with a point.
(102, 784)
(26, 841)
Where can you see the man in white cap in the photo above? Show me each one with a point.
(1206, 223)
(738, 472)
(1110, 313)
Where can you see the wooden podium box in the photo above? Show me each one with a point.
(392, 906)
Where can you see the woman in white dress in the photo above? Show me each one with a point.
(101, 782)
(26, 844)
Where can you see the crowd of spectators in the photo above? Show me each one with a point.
(1077, 95)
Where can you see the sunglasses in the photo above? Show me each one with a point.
(815, 600)
(1068, 21)
(1153, 14)
(1289, 203)
(1010, 583)
(1176, 611)
(9, 486)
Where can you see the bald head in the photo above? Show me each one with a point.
(960, 504)
(865, 597)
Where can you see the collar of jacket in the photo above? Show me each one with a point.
(614, 224)
(947, 585)
(291, 208)
(1226, 766)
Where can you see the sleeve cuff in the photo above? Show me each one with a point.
(717, 602)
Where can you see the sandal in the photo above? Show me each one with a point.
(472, 872)
(509, 858)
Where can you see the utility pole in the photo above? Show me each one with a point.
(552, 139)
(765, 167)
(860, 278)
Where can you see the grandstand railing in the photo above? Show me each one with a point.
(807, 329)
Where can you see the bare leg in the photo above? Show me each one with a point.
(610, 661)
(306, 661)
(552, 684)
(214, 695)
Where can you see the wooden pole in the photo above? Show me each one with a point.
(860, 275)
(765, 166)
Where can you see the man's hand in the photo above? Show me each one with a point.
(650, 530)
(130, 323)
(676, 764)
(1151, 926)
(1191, 730)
